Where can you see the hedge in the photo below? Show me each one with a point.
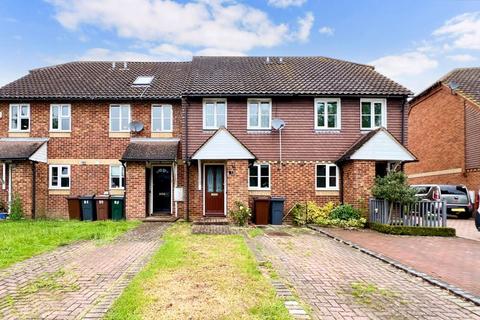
(413, 231)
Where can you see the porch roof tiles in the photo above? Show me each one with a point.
(18, 150)
(151, 150)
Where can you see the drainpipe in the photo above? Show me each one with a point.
(124, 165)
(464, 137)
(185, 105)
(34, 183)
(340, 169)
(404, 103)
(10, 189)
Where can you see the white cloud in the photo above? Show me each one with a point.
(326, 30)
(286, 3)
(462, 57)
(305, 25)
(102, 54)
(464, 29)
(407, 64)
(170, 51)
(218, 52)
(225, 25)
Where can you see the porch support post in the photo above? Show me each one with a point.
(199, 174)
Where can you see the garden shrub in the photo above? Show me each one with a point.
(16, 208)
(345, 212)
(344, 216)
(413, 231)
(3, 206)
(240, 214)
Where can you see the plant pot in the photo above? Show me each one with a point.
(3, 215)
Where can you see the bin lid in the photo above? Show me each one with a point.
(72, 197)
(102, 197)
(261, 198)
(117, 197)
(87, 197)
(278, 198)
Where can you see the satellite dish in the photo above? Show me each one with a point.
(278, 124)
(453, 85)
(136, 126)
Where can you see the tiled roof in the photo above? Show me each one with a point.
(294, 75)
(98, 80)
(467, 79)
(151, 150)
(18, 150)
(203, 76)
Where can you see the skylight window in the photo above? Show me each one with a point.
(143, 81)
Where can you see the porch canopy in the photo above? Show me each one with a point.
(151, 150)
(21, 150)
(223, 145)
(378, 145)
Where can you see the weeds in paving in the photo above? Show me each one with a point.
(371, 295)
(56, 281)
(255, 232)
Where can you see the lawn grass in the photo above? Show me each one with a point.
(199, 277)
(20, 240)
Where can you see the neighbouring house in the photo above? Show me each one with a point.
(188, 139)
(444, 131)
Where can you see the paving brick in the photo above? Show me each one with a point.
(100, 272)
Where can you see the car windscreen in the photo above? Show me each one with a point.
(421, 189)
(453, 190)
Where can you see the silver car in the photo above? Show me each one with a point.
(456, 197)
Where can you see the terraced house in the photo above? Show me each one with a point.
(189, 139)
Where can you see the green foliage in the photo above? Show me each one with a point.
(394, 188)
(3, 206)
(344, 216)
(240, 214)
(345, 212)
(16, 209)
(413, 231)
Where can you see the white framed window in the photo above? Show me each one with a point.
(59, 176)
(60, 117)
(373, 113)
(328, 114)
(259, 114)
(117, 177)
(20, 117)
(214, 113)
(120, 118)
(326, 177)
(259, 176)
(162, 118)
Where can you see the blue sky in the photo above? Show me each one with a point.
(413, 41)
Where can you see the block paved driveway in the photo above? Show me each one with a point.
(78, 281)
(325, 272)
(451, 259)
(465, 228)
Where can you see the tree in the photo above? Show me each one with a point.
(394, 188)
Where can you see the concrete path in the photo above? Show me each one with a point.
(452, 260)
(339, 282)
(78, 281)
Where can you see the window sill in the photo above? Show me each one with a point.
(60, 134)
(259, 131)
(327, 192)
(327, 131)
(119, 134)
(259, 192)
(59, 192)
(161, 134)
(117, 191)
(19, 134)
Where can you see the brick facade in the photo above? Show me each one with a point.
(358, 180)
(136, 205)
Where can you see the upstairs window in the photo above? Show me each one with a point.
(20, 117)
(120, 118)
(327, 177)
(161, 118)
(327, 114)
(373, 113)
(259, 114)
(60, 177)
(214, 113)
(259, 176)
(117, 177)
(60, 118)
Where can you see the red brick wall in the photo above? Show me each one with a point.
(22, 176)
(136, 191)
(436, 133)
(358, 180)
(237, 188)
